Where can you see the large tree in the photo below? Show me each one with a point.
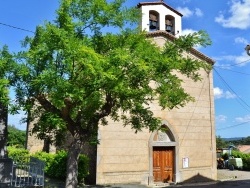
(74, 74)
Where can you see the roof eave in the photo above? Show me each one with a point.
(158, 3)
(192, 51)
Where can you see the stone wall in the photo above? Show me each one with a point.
(124, 156)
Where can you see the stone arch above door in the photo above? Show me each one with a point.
(165, 136)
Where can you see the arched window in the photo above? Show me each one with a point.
(153, 20)
(169, 24)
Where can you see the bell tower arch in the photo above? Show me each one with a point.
(158, 16)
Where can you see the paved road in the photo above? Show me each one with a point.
(226, 179)
(222, 184)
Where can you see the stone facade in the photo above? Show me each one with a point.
(125, 157)
(34, 144)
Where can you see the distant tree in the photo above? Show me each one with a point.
(246, 141)
(73, 75)
(16, 137)
(242, 141)
(220, 143)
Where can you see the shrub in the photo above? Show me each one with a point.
(245, 159)
(18, 154)
(83, 168)
(48, 158)
(55, 164)
(57, 168)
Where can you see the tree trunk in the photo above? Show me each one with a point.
(3, 130)
(72, 164)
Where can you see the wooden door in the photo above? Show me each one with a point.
(163, 164)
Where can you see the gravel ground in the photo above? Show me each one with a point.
(226, 174)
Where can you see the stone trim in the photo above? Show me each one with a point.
(174, 144)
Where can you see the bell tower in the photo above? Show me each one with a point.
(158, 16)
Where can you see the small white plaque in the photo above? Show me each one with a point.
(185, 162)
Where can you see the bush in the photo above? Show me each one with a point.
(18, 154)
(55, 164)
(245, 159)
(48, 158)
(83, 168)
(58, 167)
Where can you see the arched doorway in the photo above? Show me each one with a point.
(163, 154)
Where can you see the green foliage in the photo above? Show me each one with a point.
(55, 164)
(6, 64)
(16, 137)
(18, 154)
(83, 168)
(48, 158)
(79, 79)
(243, 141)
(220, 143)
(73, 75)
(58, 167)
(225, 156)
(245, 158)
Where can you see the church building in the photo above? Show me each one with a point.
(186, 150)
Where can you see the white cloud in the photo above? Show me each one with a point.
(185, 1)
(185, 11)
(198, 12)
(221, 118)
(219, 93)
(229, 95)
(241, 40)
(188, 13)
(240, 60)
(243, 119)
(239, 15)
(187, 31)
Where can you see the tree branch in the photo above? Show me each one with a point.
(64, 113)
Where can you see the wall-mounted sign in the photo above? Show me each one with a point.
(185, 162)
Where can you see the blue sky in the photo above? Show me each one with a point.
(226, 21)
